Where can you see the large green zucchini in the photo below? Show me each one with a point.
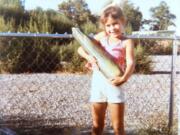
(107, 66)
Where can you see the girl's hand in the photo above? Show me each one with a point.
(92, 63)
(91, 59)
(118, 80)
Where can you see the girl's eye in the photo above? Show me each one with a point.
(115, 23)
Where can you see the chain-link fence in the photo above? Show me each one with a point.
(38, 96)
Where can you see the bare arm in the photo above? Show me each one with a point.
(83, 53)
(130, 60)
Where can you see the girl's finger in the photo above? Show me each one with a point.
(111, 79)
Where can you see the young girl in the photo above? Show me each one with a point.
(108, 92)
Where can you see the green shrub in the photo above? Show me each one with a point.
(143, 61)
(157, 47)
(72, 62)
(19, 55)
(22, 55)
(60, 22)
(128, 29)
(6, 26)
(89, 28)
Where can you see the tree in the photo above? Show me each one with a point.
(12, 9)
(162, 18)
(76, 10)
(12, 4)
(60, 22)
(132, 14)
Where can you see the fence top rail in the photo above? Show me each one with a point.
(153, 37)
(56, 35)
(38, 35)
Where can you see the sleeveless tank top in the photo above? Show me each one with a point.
(116, 50)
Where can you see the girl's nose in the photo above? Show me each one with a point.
(111, 27)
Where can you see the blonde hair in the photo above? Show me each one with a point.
(114, 12)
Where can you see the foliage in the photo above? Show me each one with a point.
(89, 28)
(31, 56)
(76, 10)
(59, 22)
(11, 3)
(12, 9)
(162, 18)
(128, 29)
(143, 61)
(6, 26)
(72, 62)
(133, 15)
(19, 55)
(157, 47)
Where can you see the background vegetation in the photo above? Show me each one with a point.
(29, 55)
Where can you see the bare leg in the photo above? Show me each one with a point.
(98, 115)
(117, 118)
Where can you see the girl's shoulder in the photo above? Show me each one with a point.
(128, 42)
(100, 36)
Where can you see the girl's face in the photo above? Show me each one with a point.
(114, 27)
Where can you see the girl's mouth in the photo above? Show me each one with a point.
(112, 32)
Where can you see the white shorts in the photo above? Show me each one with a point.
(103, 91)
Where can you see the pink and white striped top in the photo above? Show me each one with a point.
(116, 50)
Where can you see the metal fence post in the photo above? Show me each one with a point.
(173, 76)
(178, 100)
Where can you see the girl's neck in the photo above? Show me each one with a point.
(113, 40)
